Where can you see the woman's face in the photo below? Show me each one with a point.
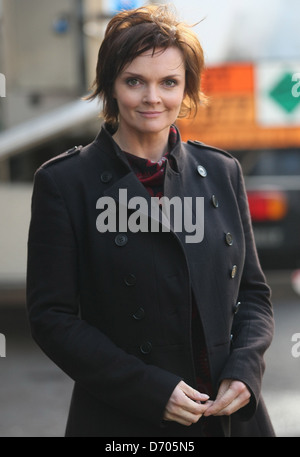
(150, 90)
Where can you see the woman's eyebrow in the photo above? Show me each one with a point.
(137, 75)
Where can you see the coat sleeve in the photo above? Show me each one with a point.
(253, 325)
(53, 299)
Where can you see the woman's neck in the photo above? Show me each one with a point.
(147, 146)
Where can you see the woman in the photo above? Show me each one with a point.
(156, 307)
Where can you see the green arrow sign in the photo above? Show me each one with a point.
(282, 93)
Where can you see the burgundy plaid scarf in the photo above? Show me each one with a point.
(150, 173)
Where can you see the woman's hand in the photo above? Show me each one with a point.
(184, 405)
(232, 396)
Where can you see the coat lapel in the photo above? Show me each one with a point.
(130, 194)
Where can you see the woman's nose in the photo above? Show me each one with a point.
(151, 95)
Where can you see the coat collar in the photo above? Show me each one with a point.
(110, 147)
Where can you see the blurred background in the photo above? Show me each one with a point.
(48, 53)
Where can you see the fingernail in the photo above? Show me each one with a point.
(204, 397)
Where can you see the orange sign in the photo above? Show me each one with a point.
(230, 119)
(228, 79)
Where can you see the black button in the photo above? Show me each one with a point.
(236, 307)
(139, 314)
(130, 280)
(215, 201)
(121, 240)
(233, 271)
(229, 239)
(146, 347)
(106, 176)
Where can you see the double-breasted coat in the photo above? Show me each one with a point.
(113, 309)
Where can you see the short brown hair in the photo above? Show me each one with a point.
(130, 34)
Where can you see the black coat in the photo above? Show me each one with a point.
(114, 312)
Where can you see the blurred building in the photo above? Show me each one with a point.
(39, 57)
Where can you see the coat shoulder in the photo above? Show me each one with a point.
(204, 146)
(62, 157)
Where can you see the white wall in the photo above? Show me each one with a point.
(15, 201)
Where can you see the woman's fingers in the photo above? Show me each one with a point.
(232, 396)
(184, 405)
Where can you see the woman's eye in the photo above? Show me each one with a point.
(132, 82)
(170, 83)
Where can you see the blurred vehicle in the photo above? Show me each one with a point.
(273, 185)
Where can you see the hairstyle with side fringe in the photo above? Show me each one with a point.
(131, 33)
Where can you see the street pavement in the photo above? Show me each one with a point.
(35, 394)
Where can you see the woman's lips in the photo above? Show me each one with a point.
(149, 114)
